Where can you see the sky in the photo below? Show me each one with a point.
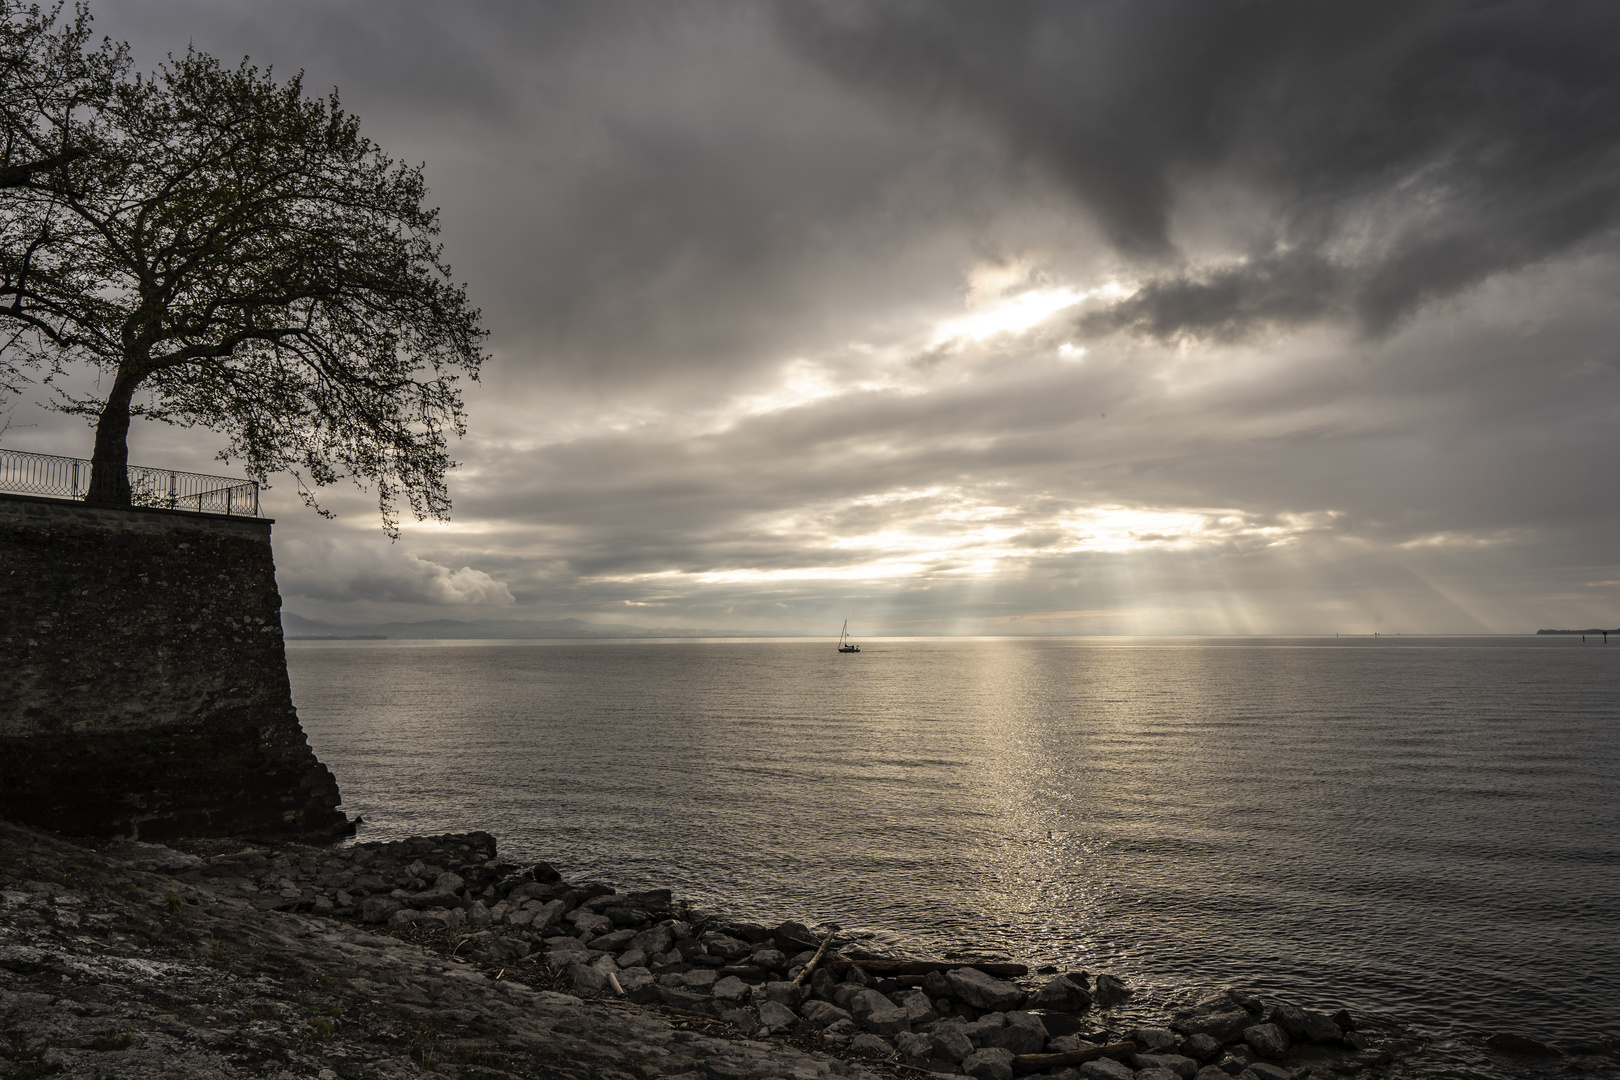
(1150, 317)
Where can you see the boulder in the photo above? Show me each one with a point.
(617, 941)
(588, 979)
(790, 994)
(686, 999)
(638, 984)
(653, 940)
(878, 1014)
(1201, 1047)
(1509, 1043)
(1156, 1074)
(378, 909)
(1267, 1040)
(769, 959)
(1106, 1069)
(699, 979)
(1061, 1023)
(1062, 994)
(725, 946)
(990, 1063)
(867, 1043)
(730, 990)
(1153, 1039)
(589, 921)
(478, 915)
(1068, 1044)
(914, 1046)
(936, 985)
(774, 1016)
(1263, 1071)
(919, 1010)
(823, 1013)
(1212, 1072)
(984, 1025)
(1024, 1034)
(950, 1042)
(1217, 1016)
(1110, 991)
(1318, 1028)
(1183, 1068)
(983, 991)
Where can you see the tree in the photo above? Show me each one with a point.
(48, 77)
(240, 257)
(51, 78)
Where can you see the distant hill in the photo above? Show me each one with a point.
(296, 627)
(1599, 631)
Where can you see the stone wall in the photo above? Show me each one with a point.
(143, 678)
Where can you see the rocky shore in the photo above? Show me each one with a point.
(433, 956)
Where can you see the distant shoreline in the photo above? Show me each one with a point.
(1567, 633)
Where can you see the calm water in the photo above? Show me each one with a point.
(1426, 827)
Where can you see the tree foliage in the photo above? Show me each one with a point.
(231, 253)
(51, 78)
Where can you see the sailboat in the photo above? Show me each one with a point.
(844, 644)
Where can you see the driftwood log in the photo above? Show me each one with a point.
(900, 969)
(816, 959)
(1032, 1063)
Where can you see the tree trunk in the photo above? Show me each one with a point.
(109, 464)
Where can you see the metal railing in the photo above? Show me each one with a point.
(171, 489)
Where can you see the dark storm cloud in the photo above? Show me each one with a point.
(1403, 152)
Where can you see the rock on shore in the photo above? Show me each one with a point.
(382, 959)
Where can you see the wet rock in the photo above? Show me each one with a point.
(775, 1016)
(823, 1013)
(1201, 1047)
(950, 1042)
(1343, 1020)
(768, 959)
(877, 1014)
(990, 1063)
(1024, 1034)
(653, 940)
(1110, 991)
(1508, 1043)
(1153, 1039)
(730, 990)
(589, 922)
(1183, 1068)
(914, 1047)
(1217, 1016)
(1062, 994)
(1267, 1040)
(785, 993)
(1106, 1069)
(935, 985)
(724, 946)
(616, 941)
(983, 991)
(918, 1009)
(867, 1043)
(978, 1029)
(588, 979)
(1264, 1071)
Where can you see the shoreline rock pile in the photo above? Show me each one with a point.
(788, 980)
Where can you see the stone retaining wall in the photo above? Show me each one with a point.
(143, 677)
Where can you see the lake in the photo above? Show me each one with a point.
(1422, 827)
